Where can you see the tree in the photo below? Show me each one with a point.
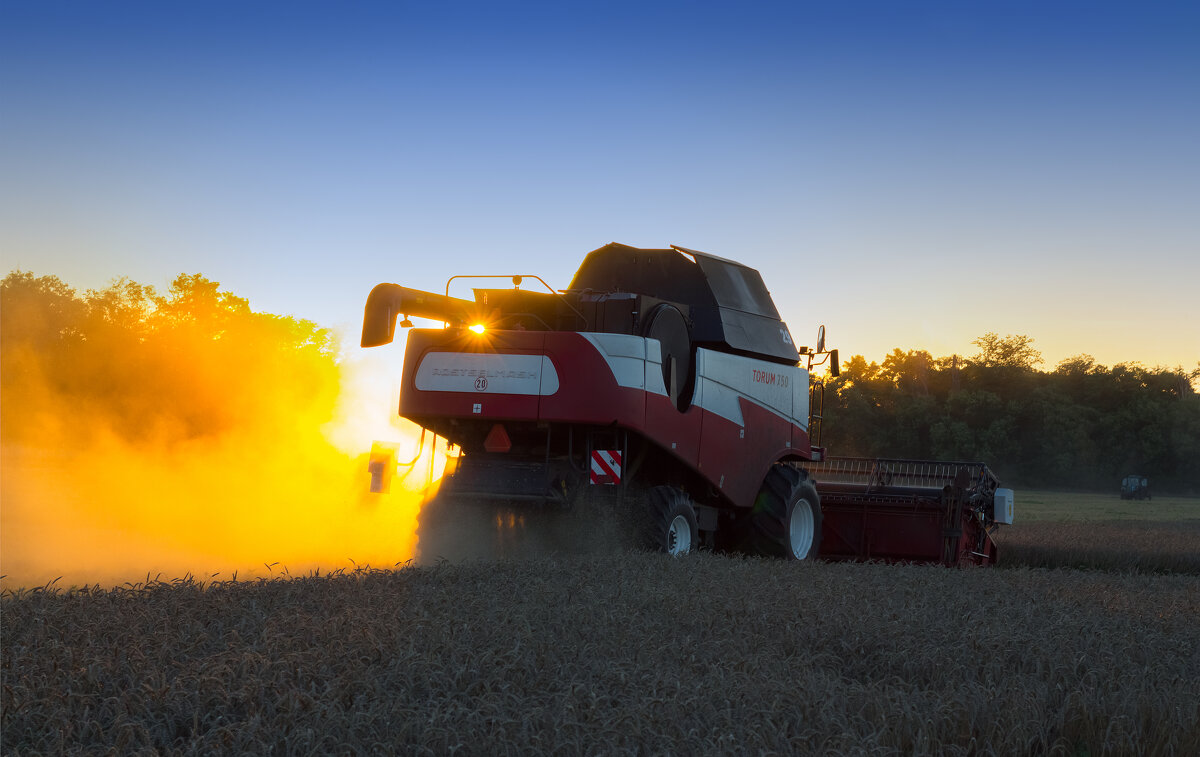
(195, 363)
(1012, 351)
(124, 305)
(1080, 425)
(41, 311)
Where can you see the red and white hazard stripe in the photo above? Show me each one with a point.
(606, 466)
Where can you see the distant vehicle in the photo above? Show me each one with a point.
(1135, 487)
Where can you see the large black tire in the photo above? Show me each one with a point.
(673, 527)
(786, 518)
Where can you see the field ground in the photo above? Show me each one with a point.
(1097, 531)
(1123, 545)
(636, 653)
(1033, 505)
(630, 653)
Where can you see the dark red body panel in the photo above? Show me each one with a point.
(921, 533)
(588, 392)
(737, 458)
(905, 510)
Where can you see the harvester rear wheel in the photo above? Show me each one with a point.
(673, 525)
(786, 518)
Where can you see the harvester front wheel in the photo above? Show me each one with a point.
(786, 519)
(673, 525)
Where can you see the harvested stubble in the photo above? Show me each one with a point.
(1144, 546)
(631, 653)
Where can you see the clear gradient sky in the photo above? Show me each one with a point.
(912, 174)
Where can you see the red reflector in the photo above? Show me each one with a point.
(497, 440)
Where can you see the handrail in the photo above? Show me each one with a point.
(517, 279)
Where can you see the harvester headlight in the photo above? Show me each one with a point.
(478, 328)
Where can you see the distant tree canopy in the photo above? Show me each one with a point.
(1081, 425)
(192, 363)
(197, 362)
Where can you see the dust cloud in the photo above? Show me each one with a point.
(155, 436)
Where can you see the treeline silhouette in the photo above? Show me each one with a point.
(1079, 426)
(192, 363)
(197, 362)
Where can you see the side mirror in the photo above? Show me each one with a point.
(835, 370)
(821, 338)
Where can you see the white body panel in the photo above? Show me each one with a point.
(487, 373)
(721, 379)
(635, 362)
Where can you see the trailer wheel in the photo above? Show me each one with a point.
(673, 525)
(786, 518)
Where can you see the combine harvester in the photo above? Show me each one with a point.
(663, 384)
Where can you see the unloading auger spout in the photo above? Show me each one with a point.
(387, 301)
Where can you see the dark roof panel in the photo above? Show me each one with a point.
(729, 303)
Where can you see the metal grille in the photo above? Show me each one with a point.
(882, 472)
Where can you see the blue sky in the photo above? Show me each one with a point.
(911, 174)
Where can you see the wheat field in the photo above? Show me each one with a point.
(627, 653)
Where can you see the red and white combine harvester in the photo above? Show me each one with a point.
(664, 381)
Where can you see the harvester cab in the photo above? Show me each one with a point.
(663, 384)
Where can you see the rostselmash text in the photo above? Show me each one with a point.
(471, 372)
